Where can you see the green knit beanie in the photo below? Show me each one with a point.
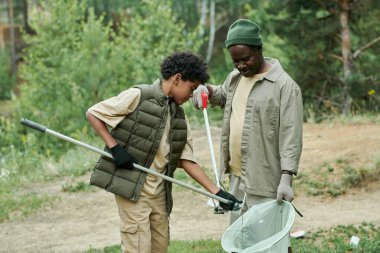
(243, 32)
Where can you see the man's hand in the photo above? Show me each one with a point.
(196, 99)
(121, 157)
(284, 190)
(228, 196)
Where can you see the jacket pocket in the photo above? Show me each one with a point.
(130, 238)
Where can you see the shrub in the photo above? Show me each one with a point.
(75, 61)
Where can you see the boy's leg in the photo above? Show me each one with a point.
(134, 225)
(159, 222)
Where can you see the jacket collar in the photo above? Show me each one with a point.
(159, 94)
(272, 75)
(275, 70)
(162, 99)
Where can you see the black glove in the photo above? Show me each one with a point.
(228, 196)
(121, 158)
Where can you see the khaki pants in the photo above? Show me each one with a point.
(144, 225)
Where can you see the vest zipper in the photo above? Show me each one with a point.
(162, 124)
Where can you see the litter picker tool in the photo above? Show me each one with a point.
(44, 129)
(214, 169)
(217, 209)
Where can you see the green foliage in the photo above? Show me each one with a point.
(7, 80)
(75, 61)
(8, 136)
(143, 44)
(314, 49)
(111, 10)
(18, 165)
(58, 60)
(196, 117)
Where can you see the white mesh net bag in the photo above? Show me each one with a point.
(263, 228)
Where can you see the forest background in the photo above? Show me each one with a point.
(72, 54)
(59, 57)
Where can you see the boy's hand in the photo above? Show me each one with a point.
(196, 99)
(228, 196)
(121, 158)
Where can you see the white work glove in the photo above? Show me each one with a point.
(284, 190)
(196, 99)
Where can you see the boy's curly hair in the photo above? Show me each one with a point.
(192, 67)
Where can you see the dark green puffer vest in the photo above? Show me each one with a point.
(140, 134)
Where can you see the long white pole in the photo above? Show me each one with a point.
(44, 129)
(214, 168)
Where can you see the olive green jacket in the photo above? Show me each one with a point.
(140, 134)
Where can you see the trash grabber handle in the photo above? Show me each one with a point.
(44, 129)
(209, 139)
(33, 125)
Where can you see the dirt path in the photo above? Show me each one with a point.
(83, 220)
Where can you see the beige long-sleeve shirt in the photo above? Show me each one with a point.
(239, 103)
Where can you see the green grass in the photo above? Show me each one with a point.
(201, 246)
(77, 187)
(196, 118)
(182, 176)
(355, 119)
(6, 107)
(334, 179)
(333, 240)
(336, 239)
(17, 173)
(109, 249)
(15, 207)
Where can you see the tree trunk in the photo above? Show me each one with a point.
(28, 29)
(212, 31)
(202, 21)
(12, 33)
(346, 54)
(2, 43)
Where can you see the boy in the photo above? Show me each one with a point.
(150, 128)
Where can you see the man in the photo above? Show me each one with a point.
(263, 116)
